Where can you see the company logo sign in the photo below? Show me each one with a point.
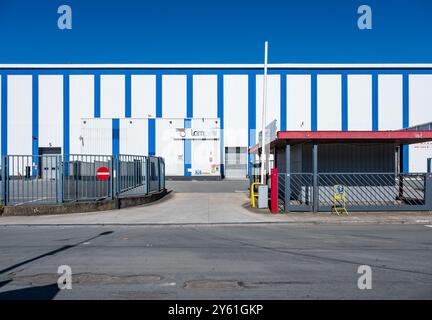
(196, 134)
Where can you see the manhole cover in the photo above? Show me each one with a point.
(213, 284)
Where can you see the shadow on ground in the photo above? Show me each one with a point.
(47, 292)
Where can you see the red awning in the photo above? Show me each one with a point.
(399, 137)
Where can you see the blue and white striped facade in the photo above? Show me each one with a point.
(43, 106)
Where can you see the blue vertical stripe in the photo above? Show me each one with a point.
(314, 106)
(35, 123)
(66, 115)
(283, 102)
(220, 114)
(128, 96)
(252, 116)
(375, 93)
(189, 85)
(97, 96)
(344, 98)
(115, 137)
(151, 137)
(35, 120)
(405, 120)
(158, 95)
(4, 95)
(252, 110)
(187, 150)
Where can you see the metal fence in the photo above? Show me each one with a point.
(49, 179)
(363, 191)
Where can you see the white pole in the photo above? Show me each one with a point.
(263, 133)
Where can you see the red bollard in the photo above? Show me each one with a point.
(274, 191)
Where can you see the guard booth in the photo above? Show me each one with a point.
(369, 164)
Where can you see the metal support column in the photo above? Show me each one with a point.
(315, 175)
(287, 177)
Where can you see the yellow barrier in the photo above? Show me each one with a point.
(252, 192)
(339, 195)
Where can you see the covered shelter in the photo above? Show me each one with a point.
(368, 163)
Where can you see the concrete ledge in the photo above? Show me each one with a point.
(81, 207)
(132, 201)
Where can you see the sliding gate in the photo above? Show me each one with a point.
(364, 191)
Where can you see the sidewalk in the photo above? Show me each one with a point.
(213, 208)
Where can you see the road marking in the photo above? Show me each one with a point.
(430, 226)
(168, 284)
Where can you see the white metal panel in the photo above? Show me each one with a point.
(359, 102)
(205, 153)
(235, 111)
(205, 96)
(81, 97)
(329, 102)
(273, 101)
(134, 136)
(298, 102)
(168, 148)
(390, 101)
(143, 90)
(418, 155)
(51, 111)
(19, 114)
(420, 111)
(96, 136)
(174, 96)
(112, 89)
(420, 99)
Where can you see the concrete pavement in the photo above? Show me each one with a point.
(211, 208)
(219, 262)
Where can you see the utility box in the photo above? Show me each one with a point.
(262, 197)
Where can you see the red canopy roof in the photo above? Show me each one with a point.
(397, 137)
(404, 136)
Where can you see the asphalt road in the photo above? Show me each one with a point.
(219, 262)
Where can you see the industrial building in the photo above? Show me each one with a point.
(203, 118)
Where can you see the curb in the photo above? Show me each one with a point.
(210, 224)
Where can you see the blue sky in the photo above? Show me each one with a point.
(215, 31)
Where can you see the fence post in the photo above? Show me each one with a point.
(60, 171)
(113, 177)
(315, 176)
(159, 174)
(428, 191)
(5, 177)
(287, 196)
(148, 174)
